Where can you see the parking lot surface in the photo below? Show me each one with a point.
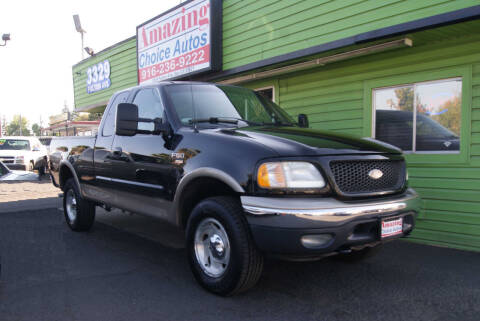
(21, 196)
(115, 273)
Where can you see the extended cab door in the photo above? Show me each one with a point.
(101, 188)
(142, 171)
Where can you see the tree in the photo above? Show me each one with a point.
(405, 98)
(452, 117)
(36, 129)
(13, 128)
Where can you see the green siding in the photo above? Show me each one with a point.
(334, 97)
(255, 30)
(123, 73)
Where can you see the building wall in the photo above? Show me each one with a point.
(338, 97)
(254, 30)
(123, 73)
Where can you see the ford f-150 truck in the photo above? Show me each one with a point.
(239, 175)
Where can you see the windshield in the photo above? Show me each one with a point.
(429, 128)
(204, 102)
(14, 144)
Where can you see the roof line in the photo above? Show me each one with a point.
(103, 50)
(466, 14)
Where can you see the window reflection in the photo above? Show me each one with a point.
(433, 125)
(438, 115)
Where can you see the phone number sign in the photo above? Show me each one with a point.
(98, 77)
(177, 43)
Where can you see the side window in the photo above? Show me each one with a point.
(109, 126)
(149, 106)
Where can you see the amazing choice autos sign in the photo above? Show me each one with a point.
(183, 41)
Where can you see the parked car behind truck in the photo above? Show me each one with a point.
(23, 153)
(239, 175)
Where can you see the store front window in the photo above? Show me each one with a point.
(423, 117)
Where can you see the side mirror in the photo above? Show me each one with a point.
(127, 119)
(303, 120)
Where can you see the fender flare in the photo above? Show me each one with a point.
(204, 172)
(64, 163)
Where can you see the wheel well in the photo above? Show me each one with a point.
(198, 190)
(64, 175)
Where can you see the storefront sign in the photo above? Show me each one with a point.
(98, 77)
(180, 42)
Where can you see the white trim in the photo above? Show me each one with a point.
(414, 126)
(109, 179)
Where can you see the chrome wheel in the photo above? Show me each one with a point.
(212, 247)
(71, 205)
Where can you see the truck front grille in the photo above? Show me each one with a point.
(352, 177)
(7, 159)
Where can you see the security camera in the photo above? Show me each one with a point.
(6, 36)
(89, 51)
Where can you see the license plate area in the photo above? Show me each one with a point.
(391, 227)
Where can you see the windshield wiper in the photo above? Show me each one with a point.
(214, 120)
(227, 120)
(279, 123)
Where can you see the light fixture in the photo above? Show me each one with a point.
(405, 42)
(5, 38)
(78, 27)
(89, 51)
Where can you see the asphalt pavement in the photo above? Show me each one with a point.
(117, 273)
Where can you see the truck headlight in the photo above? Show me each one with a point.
(19, 160)
(289, 175)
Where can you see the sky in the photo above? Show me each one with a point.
(36, 64)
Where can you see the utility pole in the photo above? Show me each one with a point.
(3, 131)
(20, 124)
(78, 27)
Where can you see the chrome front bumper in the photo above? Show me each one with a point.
(331, 210)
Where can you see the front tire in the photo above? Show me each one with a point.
(221, 251)
(79, 212)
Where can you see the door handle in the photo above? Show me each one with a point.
(117, 152)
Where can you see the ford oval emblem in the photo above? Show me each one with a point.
(375, 173)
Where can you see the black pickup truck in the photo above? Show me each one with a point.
(239, 175)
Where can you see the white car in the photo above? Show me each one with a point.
(23, 153)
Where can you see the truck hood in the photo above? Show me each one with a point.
(295, 141)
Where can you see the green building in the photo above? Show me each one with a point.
(406, 72)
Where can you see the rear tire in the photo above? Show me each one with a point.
(79, 212)
(222, 254)
(359, 255)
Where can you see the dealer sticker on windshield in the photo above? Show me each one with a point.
(392, 227)
(2, 141)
